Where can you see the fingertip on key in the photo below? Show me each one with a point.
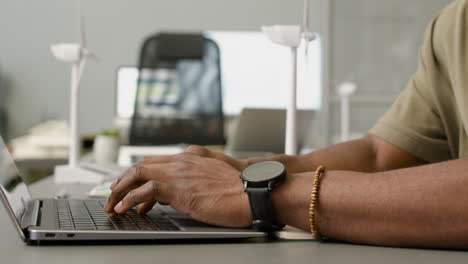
(118, 207)
(111, 214)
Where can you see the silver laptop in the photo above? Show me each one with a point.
(84, 220)
(263, 131)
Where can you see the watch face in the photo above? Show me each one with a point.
(263, 171)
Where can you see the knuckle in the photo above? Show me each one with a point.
(147, 159)
(198, 150)
(153, 187)
(131, 196)
(182, 156)
(124, 175)
(192, 203)
(137, 172)
(182, 166)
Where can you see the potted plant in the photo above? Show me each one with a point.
(106, 147)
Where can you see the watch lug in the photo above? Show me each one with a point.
(271, 185)
(245, 186)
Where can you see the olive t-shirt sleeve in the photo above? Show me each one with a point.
(412, 123)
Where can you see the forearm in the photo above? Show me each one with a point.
(356, 155)
(417, 207)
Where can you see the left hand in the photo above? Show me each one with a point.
(202, 152)
(206, 189)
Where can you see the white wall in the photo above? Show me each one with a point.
(376, 44)
(38, 85)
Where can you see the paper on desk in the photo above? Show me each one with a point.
(101, 191)
(291, 233)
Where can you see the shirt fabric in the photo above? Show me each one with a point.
(430, 117)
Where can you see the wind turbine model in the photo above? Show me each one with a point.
(292, 36)
(344, 91)
(76, 54)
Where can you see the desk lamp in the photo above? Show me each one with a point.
(76, 54)
(292, 36)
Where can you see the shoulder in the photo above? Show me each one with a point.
(449, 29)
(446, 40)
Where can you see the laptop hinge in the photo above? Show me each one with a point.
(31, 214)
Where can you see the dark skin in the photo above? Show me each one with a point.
(372, 193)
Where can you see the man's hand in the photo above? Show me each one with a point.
(202, 152)
(207, 189)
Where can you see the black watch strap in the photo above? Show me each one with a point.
(262, 209)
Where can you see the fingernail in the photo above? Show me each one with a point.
(113, 184)
(118, 207)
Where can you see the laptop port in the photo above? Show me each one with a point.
(49, 235)
(70, 235)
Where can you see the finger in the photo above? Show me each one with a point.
(137, 176)
(199, 151)
(159, 159)
(151, 192)
(192, 150)
(204, 152)
(115, 182)
(131, 179)
(145, 207)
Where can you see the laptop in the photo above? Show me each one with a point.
(270, 139)
(49, 220)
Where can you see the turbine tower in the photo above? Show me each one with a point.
(75, 54)
(292, 36)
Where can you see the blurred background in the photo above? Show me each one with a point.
(372, 43)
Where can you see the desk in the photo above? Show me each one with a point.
(13, 250)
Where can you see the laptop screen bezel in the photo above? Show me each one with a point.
(25, 197)
(12, 215)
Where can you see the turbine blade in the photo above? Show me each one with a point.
(305, 21)
(82, 28)
(90, 55)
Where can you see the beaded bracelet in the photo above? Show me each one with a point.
(313, 203)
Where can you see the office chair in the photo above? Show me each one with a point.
(179, 95)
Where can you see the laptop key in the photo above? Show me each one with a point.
(148, 228)
(103, 221)
(105, 228)
(127, 228)
(84, 228)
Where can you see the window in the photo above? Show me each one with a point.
(256, 72)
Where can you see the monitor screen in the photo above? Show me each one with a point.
(127, 78)
(255, 72)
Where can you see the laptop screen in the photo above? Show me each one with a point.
(15, 193)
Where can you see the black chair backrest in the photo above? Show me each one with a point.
(179, 95)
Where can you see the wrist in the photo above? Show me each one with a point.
(291, 200)
(247, 213)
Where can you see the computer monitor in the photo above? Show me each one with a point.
(127, 78)
(255, 74)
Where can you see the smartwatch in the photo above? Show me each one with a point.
(259, 180)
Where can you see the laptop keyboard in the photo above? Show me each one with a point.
(90, 215)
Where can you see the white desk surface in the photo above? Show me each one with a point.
(13, 250)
